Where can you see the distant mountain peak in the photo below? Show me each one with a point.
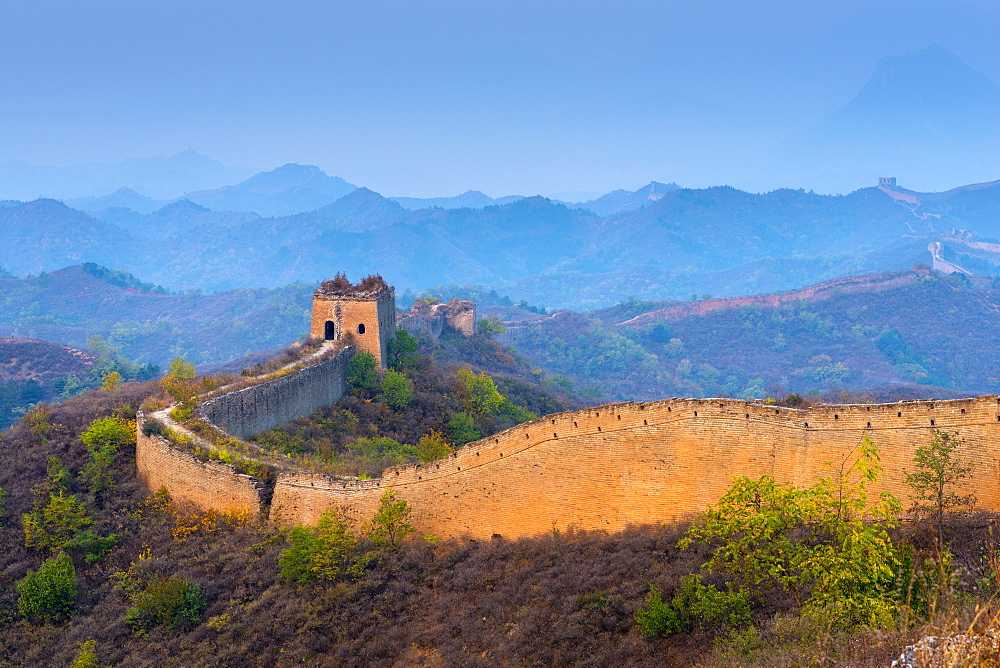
(183, 205)
(931, 77)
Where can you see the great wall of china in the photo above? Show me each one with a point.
(596, 468)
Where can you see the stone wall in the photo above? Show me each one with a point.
(189, 480)
(250, 411)
(630, 463)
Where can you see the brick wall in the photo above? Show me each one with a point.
(252, 410)
(189, 480)
(607, 467)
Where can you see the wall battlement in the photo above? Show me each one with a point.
(257, 408)
(630, 463)
(598, 468)
(611, 466)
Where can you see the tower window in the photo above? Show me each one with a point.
(361, 328)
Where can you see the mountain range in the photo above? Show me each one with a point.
(720, 240)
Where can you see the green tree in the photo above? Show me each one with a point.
(3, 501)
(397, 389)
(179, 383)
(54, 525)
(326, 552)
(403, 350)
(938, 473)
(103, 438)
(39, 421)
(390, 524)
(463, 429)
(181, 369)
(57, 477)
(362, 373)
(50, 592)
(433, 447)
(490, 326)
(826, 545)
(483, 395)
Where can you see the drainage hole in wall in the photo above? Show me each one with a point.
(836, 417)
(696, 413)
(932, 422)
(645, 422)
(899, 413)
(869, 426)
(555, 435)
(598, 427)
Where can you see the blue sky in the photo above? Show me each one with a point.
(432, 98)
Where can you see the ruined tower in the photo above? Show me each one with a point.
(365, 312)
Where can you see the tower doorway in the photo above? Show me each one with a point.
(330, 331)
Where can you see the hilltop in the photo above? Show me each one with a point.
(901, 335)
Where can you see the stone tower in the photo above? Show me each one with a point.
(365, 312)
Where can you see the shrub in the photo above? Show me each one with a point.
(54, 525)
(171, 602)
(433, 447)
(389, 526)
(50, 592)
(657, 618)
(86, 657)
(326, 552)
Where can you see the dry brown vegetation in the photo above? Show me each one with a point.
(556, 599)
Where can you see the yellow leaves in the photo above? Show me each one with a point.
(211, 521)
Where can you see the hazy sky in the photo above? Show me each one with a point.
(431, 98)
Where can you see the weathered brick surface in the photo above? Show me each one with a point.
(607, 467)
(205, 484)
(377, 313)
(258, 408)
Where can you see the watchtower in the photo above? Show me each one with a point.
(366, 312)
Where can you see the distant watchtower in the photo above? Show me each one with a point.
(887, 182)
(366, 312)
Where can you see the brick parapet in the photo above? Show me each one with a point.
(255, 409)
(614, 465)
(190, 480)
(606, 467)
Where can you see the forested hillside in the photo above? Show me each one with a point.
(658, 242)
(931, 335)
(98, 571)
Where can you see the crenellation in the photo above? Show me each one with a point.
(595, 468)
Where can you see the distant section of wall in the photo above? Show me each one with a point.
(255, 409)
(415, 324)
(631, 463)
(189, 480)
